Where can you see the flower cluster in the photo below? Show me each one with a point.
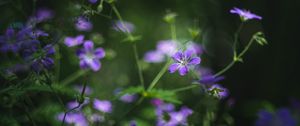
(82, 117)
(168, 116)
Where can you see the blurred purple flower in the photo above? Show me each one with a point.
(44, 61)
(128, 98)
(74, 104)
(208, 80)
(196, 48)
(123, 26)
(83, 24)
(132, 123)
(89, 58)
(37, 33)
(74, 41)
(167, 47)
(244, 14)
(88, 90)
(44, 14)
(96, 118)
(103, 105)
(77, 119)
(180, 117)
(282, 117)
(183, 61)
(93, 1)
(218, 91)
(12, 40)
(154, 57)
(156, 102)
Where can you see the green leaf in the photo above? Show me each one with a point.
(166, 95)
(260, 38)
(131, 90)
(132, 38)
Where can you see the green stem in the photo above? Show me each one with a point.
(159, 75)
(186, 88)
(246, 48)
(138, 65)
(121, 19)
(73, 77)
(236, 36)
(226, 68)
(173, 30)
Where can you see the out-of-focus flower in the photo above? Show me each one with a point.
(196, 48)
(123, 26)
(77, 119)
(154, 57)
(132, 123)
(218, 91)
(74, 104)
(128, 98)
(168, 116)
(88, 90)
(103, 105)
(74, 41)
(44, 14)
(183, 62)
(167, 47)
(244, 14)
(282, 117)
(12, 40)
(93, 1)
(96, 118)
(156, 102)
(207, 77)
(89, 57)
(83, 24)
(44, 61)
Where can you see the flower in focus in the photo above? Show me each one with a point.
(123, 26)
(218, 91)
(82, 24)
(103, 105)
(282, 117)
(74, 41)
(183, 62)
(244, 14)
(89, 58)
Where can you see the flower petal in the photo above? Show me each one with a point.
(194, 61)
(183, 70)
(99, 53)
(178, 56)
(83, 64)
(95, 65)
(88, 45)
(173, 67)
(188, 53)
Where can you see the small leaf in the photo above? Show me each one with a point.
(132, 38)
(166, 95)
(260, 38)
(131, 90)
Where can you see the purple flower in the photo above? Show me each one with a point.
(218, 91)
(180, 117)
(103, 105)
(93, 1)
(96, 118)
(167, 47)
(74, 104)
(244, 14)
(88, 90)
(128, 98)
(196, 48)
(156, 102)
(154, 57)
(44, 61)
(37, 33)
(183, 61)
(44, 14)
(74, 41)
(123, 26)
(12, 40)
(89, 58)
(132, 123)
(77, 119)
(82, 24)
(210, 79)
(282, 117)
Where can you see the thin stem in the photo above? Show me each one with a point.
(173, 30)
(236, 36)
(73, 77)
(121, 19)
(159, 75)
(186, 88)
(246, 48)
(138, 65)
(226, 68)
(140, 100)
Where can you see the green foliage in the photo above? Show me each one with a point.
(260, 38)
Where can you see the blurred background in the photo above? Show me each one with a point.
(267, 77)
